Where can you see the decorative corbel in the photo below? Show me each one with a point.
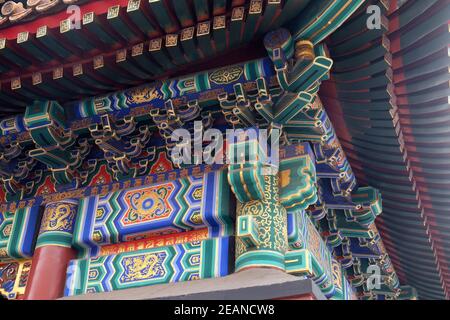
(15, 11)
(238, 111)
(42, 5)
(369, 205)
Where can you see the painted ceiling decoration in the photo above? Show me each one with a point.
(90, 98)
(122, 43)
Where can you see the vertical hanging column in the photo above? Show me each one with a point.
(261, 231)
(53, 251)
(264, 196)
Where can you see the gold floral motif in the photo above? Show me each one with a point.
(97, 236)
(203, 28)
(219, 22)
(196, 218)
(255, 6)
(148, 204)
(137, 50)
(99, 213)
(187, 33)
(93, 274)
(237, 13)
(7, 230)
(171, 40)
(155, 44)
(226, 76)
(271, 218)
(198, 193)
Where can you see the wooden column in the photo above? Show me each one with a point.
(53, 252)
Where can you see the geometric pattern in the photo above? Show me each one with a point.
(189, 87)
(309, 254)
(245, 175)
(186, 204)
(17, 233)
(14, 278)
(6, 222)
(298, 180)
(182, 262)
(154, 242)
(343, 289)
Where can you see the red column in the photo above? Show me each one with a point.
(48, 273)
(53, 252)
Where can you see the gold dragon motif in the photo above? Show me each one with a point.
(141, 267)
(58, 218)
(142, 95)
